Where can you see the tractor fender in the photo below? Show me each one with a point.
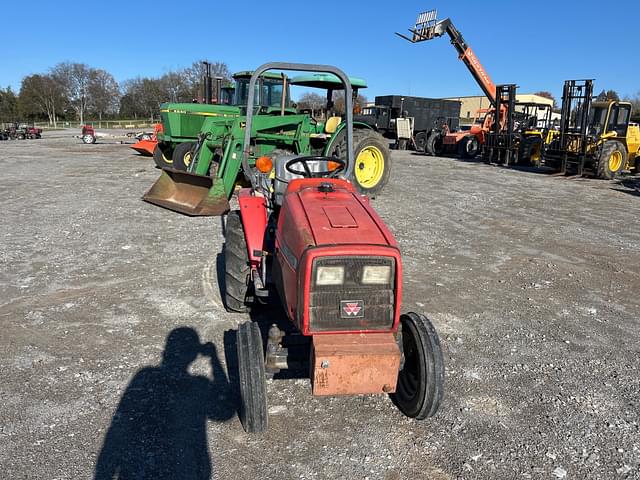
(253, 211)
(335, 137)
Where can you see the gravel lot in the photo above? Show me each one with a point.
(532, 281)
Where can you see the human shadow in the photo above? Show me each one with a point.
(159, 430)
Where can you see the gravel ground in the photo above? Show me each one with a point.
(531, 280)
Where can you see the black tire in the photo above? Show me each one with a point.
(468, 147)
(530, 151)
(609, 149)
(420, 141)
(251, 375)
(434, 144)
(183, 155)
(163, 156)
(420, 386)
(237, 272)
(364, 138)
(89, 139)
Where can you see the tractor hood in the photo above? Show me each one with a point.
(334, 214)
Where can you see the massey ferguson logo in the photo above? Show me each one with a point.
(352, 308)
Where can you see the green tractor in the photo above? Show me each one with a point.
(205, 171)
(182, 122)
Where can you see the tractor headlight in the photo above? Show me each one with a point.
(330, 276)
(376, 275)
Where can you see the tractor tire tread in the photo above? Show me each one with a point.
(608, 148)
(252, 378)
(236, 266)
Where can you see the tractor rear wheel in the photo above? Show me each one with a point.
(531, 151)
(434, 143)
(421, 381)
(163, 157)
(252, 378)
(612, 160)
(468, 147)
(372, 159)
(183, 155)
(237, 272)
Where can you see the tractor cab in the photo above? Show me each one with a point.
(271, 92)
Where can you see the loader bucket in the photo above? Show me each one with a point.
(145, 147)
(188, 193)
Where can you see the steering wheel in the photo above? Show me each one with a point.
(307, 173)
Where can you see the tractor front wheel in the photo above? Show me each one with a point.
(420, 384)
(163, 157)
(237, 272)
(90, 139)
(613, 159)
(468, 147)
(183, 156)
(252, 377)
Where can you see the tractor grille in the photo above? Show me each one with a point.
(326, 302)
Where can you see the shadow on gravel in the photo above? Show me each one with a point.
(629, 185)
(159, 430)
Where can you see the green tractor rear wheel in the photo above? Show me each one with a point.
(612, 160)
(372, 160)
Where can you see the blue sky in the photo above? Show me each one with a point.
(536, 45)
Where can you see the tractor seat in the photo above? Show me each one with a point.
(332, 124)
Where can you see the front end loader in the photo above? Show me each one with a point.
(304, 234)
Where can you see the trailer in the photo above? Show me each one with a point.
(427, 114)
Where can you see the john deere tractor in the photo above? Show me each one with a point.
(204, 172)
(182, 122)
(595, 138)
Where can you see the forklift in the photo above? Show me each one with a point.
(521, 138)
(595, 138)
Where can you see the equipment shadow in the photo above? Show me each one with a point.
(159, 430)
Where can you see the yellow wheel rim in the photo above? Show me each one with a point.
(167, 160)
(369, 166)
(615, 161)
(187, 159)
(536, 153)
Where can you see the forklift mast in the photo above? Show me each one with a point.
(428, 27)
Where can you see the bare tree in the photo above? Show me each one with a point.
(142, 96)
(104, 93)
(338, 102)
(194, 74)
(41, 94)
(311, 101)
(74, 79)
(176, 87)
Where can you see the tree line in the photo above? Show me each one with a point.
(77, 91)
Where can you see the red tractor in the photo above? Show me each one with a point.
(304, 234)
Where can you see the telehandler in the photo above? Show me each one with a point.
(304, 234)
